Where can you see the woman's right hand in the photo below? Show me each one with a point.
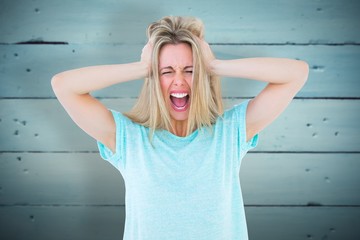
(73, 87)
(146, 55)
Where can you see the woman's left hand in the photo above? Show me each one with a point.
(209, 56)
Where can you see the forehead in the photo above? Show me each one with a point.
(175, 55)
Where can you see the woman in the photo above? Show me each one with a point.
(178, 152)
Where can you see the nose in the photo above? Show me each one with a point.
(179, 79)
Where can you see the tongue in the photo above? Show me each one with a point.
(179, 102)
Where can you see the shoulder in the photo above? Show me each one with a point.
(126, 127)
(234, 117)
(122, 118)
(237, 111)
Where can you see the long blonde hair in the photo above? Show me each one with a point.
(206, 102)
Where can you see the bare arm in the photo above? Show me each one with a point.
(73, 88)
(285, 78)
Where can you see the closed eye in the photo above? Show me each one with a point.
(165, 73)
(188, 69)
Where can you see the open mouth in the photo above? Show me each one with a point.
(180, 101)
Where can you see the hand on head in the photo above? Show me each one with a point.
(146, 54)
(207, 53)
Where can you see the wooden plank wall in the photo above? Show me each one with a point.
(302, 182)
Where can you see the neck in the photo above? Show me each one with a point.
(179, 128)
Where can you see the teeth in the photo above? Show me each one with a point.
(179, 95)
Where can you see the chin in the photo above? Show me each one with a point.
(179, 116)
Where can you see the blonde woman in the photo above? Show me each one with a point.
(177, 150)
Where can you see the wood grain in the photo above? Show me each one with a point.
(229, 21)
(106, 222)
(266, 179)
(306, 125)
(301, 182)
(26, 71)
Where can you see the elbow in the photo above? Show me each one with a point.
(304, 71)
(301, 74)
(58, 84)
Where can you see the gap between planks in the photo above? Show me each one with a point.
(123, 205)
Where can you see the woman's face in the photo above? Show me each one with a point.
(176, 74)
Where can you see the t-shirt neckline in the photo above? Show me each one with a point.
(168, 136)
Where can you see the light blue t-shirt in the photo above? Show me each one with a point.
(183, 188)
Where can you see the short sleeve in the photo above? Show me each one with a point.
(116, 158)
(245, 146)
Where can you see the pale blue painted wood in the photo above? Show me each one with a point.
(59, 179)
(301, 179)
(325, 34)
(303, 223)
(266, 179)
(26, 71)
(62, 222)
(227, 21)
(307, 125)
(106, 222)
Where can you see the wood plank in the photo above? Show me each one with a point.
(301, 179)
(91, 222)
(266, 179)
(303, 223)
(230, 21)
(62, 222)
(25, 71)
(59, 178)
(307, 125)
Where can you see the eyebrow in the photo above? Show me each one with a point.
(170, 67)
